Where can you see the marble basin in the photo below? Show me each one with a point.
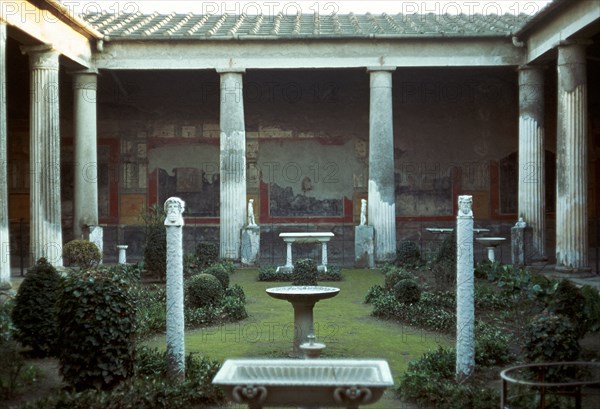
(303, 300)
(490, 241)
(262, 383)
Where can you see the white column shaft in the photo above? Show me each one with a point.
(232, 165)
(44, 160)
(571, 159)
(382, 201)
(4, 227)
(86, 158)
(465, 293)
(175, 312)
(532, 179)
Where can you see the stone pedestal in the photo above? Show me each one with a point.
(250, 244)
(232, 164)
(572, 160)
(96, 236)
(532, 178)
(4, 236)
(363, 247)
(122, 253)
(382, 195)
(44, 159)
(522, 250)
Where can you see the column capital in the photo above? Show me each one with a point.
(390, 68)
(41, 56)
(572, 52)
(231, 70)
(530, 67)
(84, 79)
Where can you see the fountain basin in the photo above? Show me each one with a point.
(291, 382)
(490, 241)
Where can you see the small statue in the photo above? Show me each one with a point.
(363, 212)
(174, 207)
(521, 223)
(465, 204)
(251, 219)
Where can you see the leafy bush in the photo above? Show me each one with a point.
(374, 293)
(408, 254)
(151, 302)
(333, 273)
(444, 274)
(447, 252)
(96, 326)
(592, 307)
(407, 291)
(492, 346)
(394, 275)
(570, 302)
(149, 389)
(550, 338)
(305, 272)
(203, 290)
(82, 253)
(269, 273)
(235, 290)
(35, 313)
(206, 254)
(155, 242)
(219, 271)
(11, 361)
(234, 308)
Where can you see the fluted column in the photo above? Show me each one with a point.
(85, 212)
(532, 179)
(44, 161)
(382, 200)
(233, 164)
(4, 236)
(571, 159)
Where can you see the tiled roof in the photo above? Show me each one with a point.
(192, 26)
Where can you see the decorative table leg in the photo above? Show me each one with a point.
(324, 255)
(288, 261)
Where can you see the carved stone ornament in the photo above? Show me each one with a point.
(465, 205)
(363, 212)
(251, 218)
(249, 394)
(174, 207)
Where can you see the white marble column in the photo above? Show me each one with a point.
(85, 211)
(44, 159)
(465, 290)
(382, 200)
(233, 164)
(532, 182)
(571, 159)
(4, 235)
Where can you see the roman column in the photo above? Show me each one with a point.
(44, 159)
(232, 164)
(532, 182)
(4, 235)
(85, 212)
(571, 159)
(382, 200)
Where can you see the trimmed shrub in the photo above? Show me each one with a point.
(394, 275)
(35, 314)
(447, 250)
(206, 254)
(408, 254)
(96, 327)
(269, 273)
(551, 338)
(220, 272)
(592, 307)
(236, 290)
(155, 242)
(570, 302)
(373, 293)
(203, 290)
(234, 308)
(305, 272)
(444, 274)
(407, 291)
(492, 346)
(82, 253)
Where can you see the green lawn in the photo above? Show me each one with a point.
(343, 323)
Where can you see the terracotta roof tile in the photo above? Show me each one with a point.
(160, 26)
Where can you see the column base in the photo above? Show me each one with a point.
(579, 272)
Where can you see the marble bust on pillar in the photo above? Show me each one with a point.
(174, 207)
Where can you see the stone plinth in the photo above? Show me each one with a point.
(96, 236)
(250, 244)
(122, 254)
(522, 249)
(363, 247)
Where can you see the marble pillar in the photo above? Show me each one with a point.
(174, 208)
(4, 235)
(85, 211)
(232, 164)
(571, 159)
(44, 159)
(532, 182)
(382, 200)
(465, 290)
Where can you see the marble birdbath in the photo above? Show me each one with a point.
(491, 243)
(303, 299)
(262, 383)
